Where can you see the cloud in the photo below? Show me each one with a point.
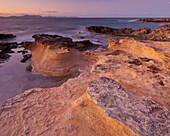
(50, 12)
(4, 14)
(168, 2)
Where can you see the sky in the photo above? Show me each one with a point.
(87, 8)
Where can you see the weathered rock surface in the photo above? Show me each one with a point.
(6, 36)
(143, 115)
(166, 25)
(158, 20)
(57, 56)
(159, 34)
(63, 111)
(56, 40)
(135, 93)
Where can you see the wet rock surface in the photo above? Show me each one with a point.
(56, 40)
(6, 36)
(160, 34)
(166, 25)
(5, 50)
(144, 116)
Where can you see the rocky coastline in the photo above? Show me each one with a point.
(160, 34)
(122, 89)
(166, 25)
(156, 20)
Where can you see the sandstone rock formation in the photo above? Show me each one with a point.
(160, 20)
(159, 34)
(57, 56)
(120, 90)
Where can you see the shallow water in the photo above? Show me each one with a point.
(14, 79)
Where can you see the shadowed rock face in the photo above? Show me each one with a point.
(144, 116)
(159, 34)
(65, 42)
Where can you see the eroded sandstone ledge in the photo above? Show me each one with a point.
(121, 90)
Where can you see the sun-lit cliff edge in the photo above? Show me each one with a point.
(120, 90)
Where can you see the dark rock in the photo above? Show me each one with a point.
(159, 34)
(85, 45)
(23, 51)
(110, 31)
(145, 59)
(166, 25)
(4, 56)
(6, 36)
(117, 52)
(141, 31)
(28, 69)
(126, 31)
(143, 115)
(159, 20)
(154, 69)
(62, 42)
(136, 62)
(6, 47)
(26, 57)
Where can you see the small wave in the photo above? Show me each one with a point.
(133, 20)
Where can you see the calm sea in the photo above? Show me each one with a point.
(25, 27)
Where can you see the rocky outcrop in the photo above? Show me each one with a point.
(166, 25)
(57, 56)
(157, 20)
(120, 90)
(159, 34)
(56, 40)
(5, 49)
(144, 116)
(6, 36)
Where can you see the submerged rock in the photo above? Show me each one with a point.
(5, 49)
(26, 57)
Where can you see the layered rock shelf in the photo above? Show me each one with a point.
(157, 20)
(122, 89)
(160, 34)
